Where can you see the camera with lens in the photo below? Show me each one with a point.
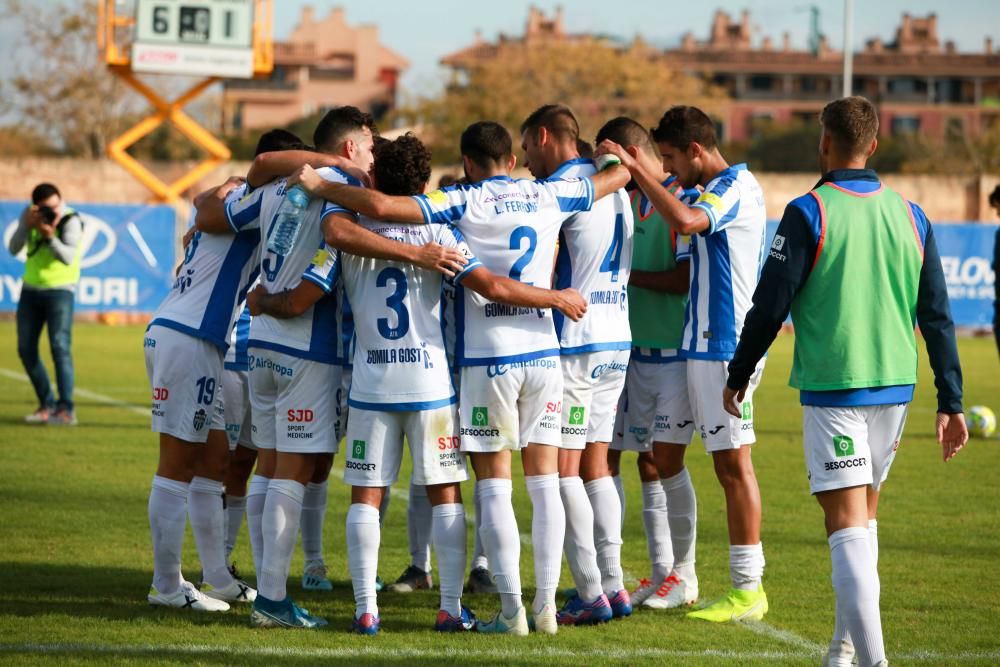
(48, 213)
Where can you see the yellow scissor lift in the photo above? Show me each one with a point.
(114, 34)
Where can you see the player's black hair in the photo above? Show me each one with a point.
(995, 196)
(338, 123)
(683, 125)
(42, 192)
(278, 140)
(627, 132)
(584, 148)
(558, 119)
(402, 166)
(486, 143)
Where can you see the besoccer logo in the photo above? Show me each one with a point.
(358, 449)
(779, 242)
(747, 411)
(199, 419)
(480, 416)
(843, 446)
(576, 415)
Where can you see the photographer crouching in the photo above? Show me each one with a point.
(51, 233)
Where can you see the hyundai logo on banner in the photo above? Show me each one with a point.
(127, 262)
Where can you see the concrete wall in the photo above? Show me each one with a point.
(944, 198)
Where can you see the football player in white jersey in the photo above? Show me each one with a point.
(595, 256)
(727, 224)
(194, 323)
(511, 383)
(655, 417)
(403, 387)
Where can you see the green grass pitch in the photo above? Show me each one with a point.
(75, 558)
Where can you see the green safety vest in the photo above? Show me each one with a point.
(42, 269)
(656, 318)
(854, 317)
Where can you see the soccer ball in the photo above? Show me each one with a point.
(981, 421)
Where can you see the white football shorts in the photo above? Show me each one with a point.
(592, 385)
(236, 406)
(654, 407)
(719, 430)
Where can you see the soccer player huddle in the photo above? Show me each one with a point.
(594, 310)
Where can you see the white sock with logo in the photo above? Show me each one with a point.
(655, 519)
(207, 523)
(167, 517)
(448, 531)
(581, 554)
(682, 514)
(548, 531)
(502, 541)
(280, 526)
(607, 532)
(620, 488)
(236, 508)
(418, 527)
(256, 495)
(746, 565)
(855, 583)
(313, 515)
(478, 551)
(363, 537)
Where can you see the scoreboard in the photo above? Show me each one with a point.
(196, 37)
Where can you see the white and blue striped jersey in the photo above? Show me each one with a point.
(595, 258)
(512, 227)
(237, 356)
(217, 272)
(314, 335)
(726, 260)
(400, 361)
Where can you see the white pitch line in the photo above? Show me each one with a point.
(492, 654)
(85, 393)
(768, 630)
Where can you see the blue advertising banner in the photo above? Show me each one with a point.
(966, 251)
(129, 253)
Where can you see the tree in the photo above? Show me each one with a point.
(62, 89)
(596, 79)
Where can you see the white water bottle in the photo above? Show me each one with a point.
(290, 215)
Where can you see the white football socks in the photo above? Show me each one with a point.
(256, 495)
(581, 554)
(620, 488)
(502, 541)
(607, 532)
(682, 515)
(548, 530)
(418, 527)
(280, 527)
(478, 551)
(746, 565)
(236, 508)
(363, 537)
(840, 633)
(654, 518)
(855, 583)
(208, 525)
(167, 516)
(448, 534)
(313, 514)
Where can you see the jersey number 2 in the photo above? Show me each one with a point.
(516, 237)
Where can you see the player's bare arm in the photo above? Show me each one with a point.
(680, 216)
(611, 179)
(515, 293)
(340, 231)
(674, 281)
(284, 305)
(276, 164)
(211, 209)
(365, 201)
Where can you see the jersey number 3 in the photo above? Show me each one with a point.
(395, 302)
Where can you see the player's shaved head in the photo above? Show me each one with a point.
(402, 166)
(487, 143)
(339, 124)
(852, 125)
(278, 140)
(627, 132)
(557, 119)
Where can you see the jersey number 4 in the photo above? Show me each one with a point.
(613, 259)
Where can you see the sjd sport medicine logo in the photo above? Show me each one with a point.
(358, 450)
(843, 446)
